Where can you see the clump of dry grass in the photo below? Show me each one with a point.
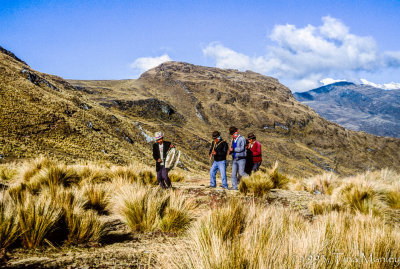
(149, 209)
(176, 177)
(392, 198)
(280, 181)
(360, 196)
(53, 177)
(9, 229)
(7, 173)
(83, 226)
(275, 237)
(92, 174)
(324, 207)
(147, 178)
(37, 218)
(97, 197)
(31, 168)
(323, 184)
(258, 184)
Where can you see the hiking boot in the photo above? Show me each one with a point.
(232, 189)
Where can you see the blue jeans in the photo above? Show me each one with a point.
(237, 167)
(221, 166)
(256, 166)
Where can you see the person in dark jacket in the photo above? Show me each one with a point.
(160, 150)
(218, 151)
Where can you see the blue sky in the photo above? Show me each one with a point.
(299, 42)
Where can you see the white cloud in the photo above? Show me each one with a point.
(312, 53)
(327, 81)
(145, 63)
(385, 86)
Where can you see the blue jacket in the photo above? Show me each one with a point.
(240, 149)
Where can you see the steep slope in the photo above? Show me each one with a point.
(198, 100)
(357, 107)
(44, 114)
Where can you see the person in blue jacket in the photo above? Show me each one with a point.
(238, 152)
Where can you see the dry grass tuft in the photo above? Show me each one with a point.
(147, 178)
(9, 229)
(275, 237)
(37, 218)
(176, 177)
(324, 184)
(360, 196)
(258, 184)
(97, 197)
(279, 180)
(7, 173)
(324, 207)
(148, 209)
(31, 168)
(83, 226)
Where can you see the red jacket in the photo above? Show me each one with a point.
(256, 149)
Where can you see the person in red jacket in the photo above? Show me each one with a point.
(255, 148)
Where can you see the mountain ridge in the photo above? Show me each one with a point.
(114, 120)
(357, 107)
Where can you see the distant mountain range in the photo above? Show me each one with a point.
(357, 107)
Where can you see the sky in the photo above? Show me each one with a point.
(305, 44)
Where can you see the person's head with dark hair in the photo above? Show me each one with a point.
(251, 136)
(232, 130)
(215, 134)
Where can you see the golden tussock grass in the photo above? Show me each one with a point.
(37, 218)
(260, 183)
(371, 192)
(146, 209)
(275, 237)
(9, 229)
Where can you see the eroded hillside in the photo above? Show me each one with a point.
(114, 120)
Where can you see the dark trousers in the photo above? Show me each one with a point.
(162, 178)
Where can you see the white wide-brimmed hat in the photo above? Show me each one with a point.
(158, 135)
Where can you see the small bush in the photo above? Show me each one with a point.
(258, 184)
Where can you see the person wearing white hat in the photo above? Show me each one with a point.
(160, 149)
